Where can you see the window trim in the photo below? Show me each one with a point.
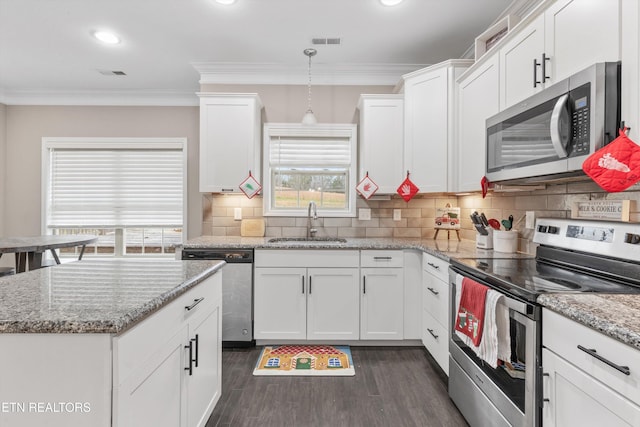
(274, 130)
(49, 143)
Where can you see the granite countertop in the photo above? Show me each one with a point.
(102, 296)
(444, 249)
(617, 316)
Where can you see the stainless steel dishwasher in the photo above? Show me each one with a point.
(237, 292)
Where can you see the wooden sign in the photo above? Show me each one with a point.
(611, 210)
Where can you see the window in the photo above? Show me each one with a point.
(309, 163)
(129, 192)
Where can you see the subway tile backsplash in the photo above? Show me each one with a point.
(417, 216)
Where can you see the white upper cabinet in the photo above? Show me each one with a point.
(381, 140)
(521, 76)
(478, 99)
(230, 126)
(579, 33)
(555, 42)
(429, 125)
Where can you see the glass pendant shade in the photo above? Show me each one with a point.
(309, 118)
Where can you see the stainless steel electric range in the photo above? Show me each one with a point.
(572, 256)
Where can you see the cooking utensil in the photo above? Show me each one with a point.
(507, 224)
(484, 219)
(494, 223)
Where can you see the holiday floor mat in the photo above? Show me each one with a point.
(324, 360)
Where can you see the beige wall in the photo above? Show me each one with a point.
(3, 167)
(26, 125)
(288, 103)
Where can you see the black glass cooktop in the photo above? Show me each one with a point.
(529, 278)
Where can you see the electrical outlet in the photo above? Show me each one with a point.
(397, 214)
(237, 214)
(364, 214)
(530, 220)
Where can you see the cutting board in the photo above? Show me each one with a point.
(252, 228)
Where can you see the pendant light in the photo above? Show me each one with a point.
(309, 118)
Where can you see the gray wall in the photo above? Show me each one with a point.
(3, 166)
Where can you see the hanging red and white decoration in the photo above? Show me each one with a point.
(407, 189)
(250, 187)
(366, 187)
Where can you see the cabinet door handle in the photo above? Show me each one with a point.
(437, 267)
(195, 302)
(535, 73)
(382, 258)
(433, 291)
(190, 367)
(195, 341)
(227, 189)
(309, 285)
(592, 352)
(545, 58)
(432, 333)
(303, 284)
(364, 284)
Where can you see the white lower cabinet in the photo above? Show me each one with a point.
(167, 369)
(306, 295)
(381, 295)
(435, 309)
(579, 387)
(138, 378)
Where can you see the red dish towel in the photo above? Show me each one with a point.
(470, 318)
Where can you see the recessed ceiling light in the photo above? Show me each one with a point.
(106, 37)
(226, 1)
(390, 2)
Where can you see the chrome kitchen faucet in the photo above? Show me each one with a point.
(311, 232)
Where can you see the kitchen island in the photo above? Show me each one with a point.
(111, 343)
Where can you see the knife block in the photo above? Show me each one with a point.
(485, 242)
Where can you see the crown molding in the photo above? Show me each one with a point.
(99, 98)
(321, 74)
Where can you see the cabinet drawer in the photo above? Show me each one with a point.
(436, 266)
(563, 336)
(306, 258)
(381, 258)
(435, 338)
(435, 298)
(136, 345)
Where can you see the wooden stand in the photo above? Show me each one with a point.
(448, 234)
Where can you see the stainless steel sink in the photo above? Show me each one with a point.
(307, 239)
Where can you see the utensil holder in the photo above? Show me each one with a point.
(505, 241)
(485, 242)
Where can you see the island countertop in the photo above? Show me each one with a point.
(102, 296)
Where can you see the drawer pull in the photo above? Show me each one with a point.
(195, 302)
(433, 291)
(592, 352)
(382, 258)
(432, 334)
(432, 265)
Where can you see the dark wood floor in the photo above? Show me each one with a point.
(392, 387)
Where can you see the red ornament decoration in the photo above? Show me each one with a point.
(250, 187)
(366, 187)
(407, 189)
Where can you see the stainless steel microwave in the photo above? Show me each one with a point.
(548, 136)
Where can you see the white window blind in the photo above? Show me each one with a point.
(319, 152)
(115, 187)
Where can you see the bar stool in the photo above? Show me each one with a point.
(7, 271)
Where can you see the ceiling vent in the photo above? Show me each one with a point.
(112, 73)
(326, 40)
